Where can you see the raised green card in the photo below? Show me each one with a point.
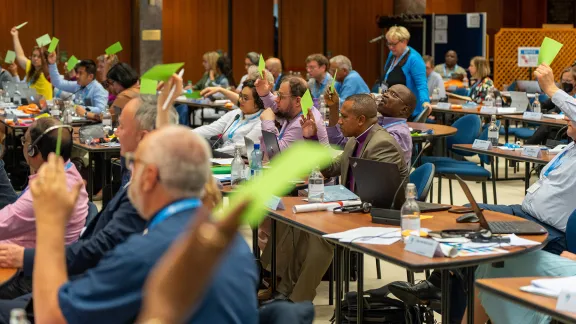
(162, 72)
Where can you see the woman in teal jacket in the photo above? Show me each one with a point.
(406, 66)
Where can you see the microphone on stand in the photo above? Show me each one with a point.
(374, 40)
(391, 216)
(224, 132)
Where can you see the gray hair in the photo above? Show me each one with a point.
(342, 61)
(253, 57)
(253, 74)
(183, 161)
(147, 113)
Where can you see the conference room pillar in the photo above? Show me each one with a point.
(147, 34)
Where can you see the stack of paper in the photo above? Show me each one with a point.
(368, 235)
(550, 287)
(553, 116)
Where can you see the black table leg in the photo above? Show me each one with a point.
(445, 296)
(255, 247)
(347, 253)
(470, 293)
(360, 288)
(106, 187)
(273, 259)
(527, 176)
(338, 279)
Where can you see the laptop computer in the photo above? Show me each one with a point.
(249, 148)
(528, 86)
(519, 101)
(502, 227)
(377, 183)
(271, 142)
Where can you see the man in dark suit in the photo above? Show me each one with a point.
(112, 226)
(309, 255)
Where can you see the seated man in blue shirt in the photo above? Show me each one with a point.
(348, 81)
(111, 227)
(169, 170)
(85, 87)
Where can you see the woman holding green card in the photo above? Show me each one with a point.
(36, 68)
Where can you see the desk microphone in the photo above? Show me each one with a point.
(224, 132)
(392, 216)
(374, 40)
(70, 96)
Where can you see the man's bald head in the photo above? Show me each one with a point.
(182, 158)
(274, 65)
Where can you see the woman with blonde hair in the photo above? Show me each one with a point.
(405, 66)
(480, 71)
(212, 76)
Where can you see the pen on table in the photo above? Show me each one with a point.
(172, 91)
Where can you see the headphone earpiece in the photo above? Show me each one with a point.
(31, 150)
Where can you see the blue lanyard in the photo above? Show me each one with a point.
(394, 124)
(283, 130)
(446, 75)
(174, 208)
(555, 165)
(394, 64)
(66, 167)
(233, 130)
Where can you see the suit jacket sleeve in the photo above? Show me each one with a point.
(335, 169)
(386, 151)
(85, 254)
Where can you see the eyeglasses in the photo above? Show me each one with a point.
(23, 140)
(129, 161)
(392, 44)
(282, 96)
(395, 95)
(244, 98)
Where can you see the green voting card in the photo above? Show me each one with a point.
(193, 95)
(296, 162)
(114, 48)
(43, 40)
(71, 63)
(162, 72)
(148, 86)
(59, 141)
(261, 66)
(333, 81)
(306, 103)
(10, 57)
(53, 45)
(21, 25)
(548, 51)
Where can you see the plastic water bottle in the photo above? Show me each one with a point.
(410, 213)
(498, 102)
(237, 167)
(493, 132)
(256, 161)
(323, 108)
(106, 118)
(17, 97)
(315, 187)
(536, 107)
(436, 94)
(489, 99)
(18, 316)
(465, 82)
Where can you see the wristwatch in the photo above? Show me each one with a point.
(86, 114)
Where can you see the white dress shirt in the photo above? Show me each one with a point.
(435, 81)
(552, 198)
(248, 125)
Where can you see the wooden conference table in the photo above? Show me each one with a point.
(320, 223)
(193, 106)
(511, 155)
(509, 289)
(544, 121)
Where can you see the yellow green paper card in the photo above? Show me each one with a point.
(10, 57)
(294, 163)
(53, 45)
(333, 81)
(306, 103)
(71, 63)
(193, 95)
(43, 40)
(548, 51)
(21, 25)
(114, 48)
(261, 66)
(162, 72)
(148, 86)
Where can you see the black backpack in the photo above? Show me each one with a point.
(379, 308)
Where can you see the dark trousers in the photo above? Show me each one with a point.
(183, 116)
(16, 286)
(542, 133)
